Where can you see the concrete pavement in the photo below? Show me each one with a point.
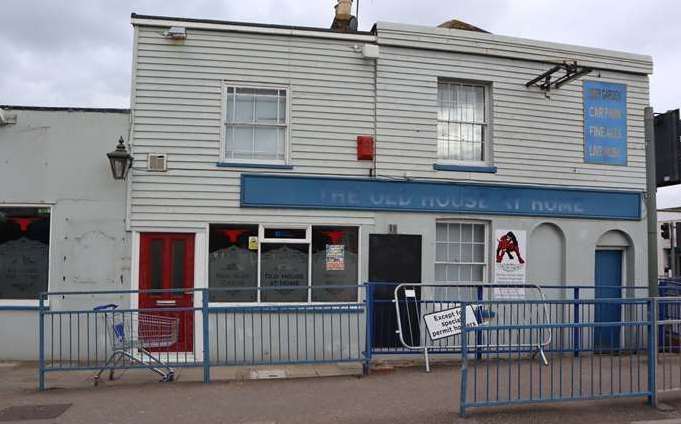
(406, 395)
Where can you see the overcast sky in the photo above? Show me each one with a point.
(78, 52)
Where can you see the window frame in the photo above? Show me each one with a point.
(486, 251)
(486, 150)
(50, 253)
(308, 240)
(223, 124)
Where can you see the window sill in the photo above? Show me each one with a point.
(253, 165)
(465, 168)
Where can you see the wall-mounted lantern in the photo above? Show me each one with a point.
(121, 161)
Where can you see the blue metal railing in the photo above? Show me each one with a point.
(620, 364)
(77, 337)
(587, 359)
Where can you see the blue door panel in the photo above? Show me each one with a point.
(608, 280)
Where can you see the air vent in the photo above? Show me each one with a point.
(157, 162)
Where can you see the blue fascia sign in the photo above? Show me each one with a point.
(307, 192)
(605, 123)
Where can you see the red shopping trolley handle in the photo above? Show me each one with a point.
(110, 306)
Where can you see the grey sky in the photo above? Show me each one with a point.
(78, 52)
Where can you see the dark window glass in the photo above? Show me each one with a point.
(334, 263)
(232, 264)
(24, 252)
(284, 265)
(178, 264)
(285, 233)
(156, 264)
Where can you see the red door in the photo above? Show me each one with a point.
(167, 262)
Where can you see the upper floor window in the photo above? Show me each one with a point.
(256, 122)
(462, 122)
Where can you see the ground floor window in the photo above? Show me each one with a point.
(460, 253)
(24, 252)
(290, 264)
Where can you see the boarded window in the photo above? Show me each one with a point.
(232, 263)
(334, 263)
(24, 252)
(291, 264)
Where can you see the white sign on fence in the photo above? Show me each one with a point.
(447, 322)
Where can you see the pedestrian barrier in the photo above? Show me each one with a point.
(414, 313)
(618, 361)
(88, 336)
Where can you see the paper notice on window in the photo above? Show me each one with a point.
(335, 257)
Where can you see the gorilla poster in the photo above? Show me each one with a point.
(509, 263)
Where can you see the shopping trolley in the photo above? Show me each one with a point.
(132, 334)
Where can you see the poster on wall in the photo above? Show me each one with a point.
(335, 257)
(510, 266)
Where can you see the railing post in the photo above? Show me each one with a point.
(464, 362)
(575, 319)
(478, 335)
(652, 351)
(206, 336)
(41, 342)
(368, 331)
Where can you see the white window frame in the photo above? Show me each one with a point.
(223, 120)
(486, 260)
(487, 123)
(50, 252)
(308, 240)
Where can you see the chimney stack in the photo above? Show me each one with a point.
(343, 21)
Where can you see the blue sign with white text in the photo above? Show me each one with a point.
(605, 123)
(302, 192)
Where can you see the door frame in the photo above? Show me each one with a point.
(200, 276)
(623, 277)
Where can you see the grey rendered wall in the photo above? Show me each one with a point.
(58, 158)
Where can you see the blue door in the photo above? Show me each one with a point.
(608, 280)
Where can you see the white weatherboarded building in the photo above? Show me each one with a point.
(259, 182)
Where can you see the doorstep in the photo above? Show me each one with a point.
(269, 372)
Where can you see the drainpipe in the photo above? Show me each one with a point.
(651, 201)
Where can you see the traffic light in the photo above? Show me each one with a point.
(664, 231)
(667, 148)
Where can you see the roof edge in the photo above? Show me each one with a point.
(65, 109)
(135, 16)
(471, 36)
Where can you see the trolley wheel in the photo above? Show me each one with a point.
(170, 377)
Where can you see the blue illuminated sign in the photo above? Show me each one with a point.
(605, 123)
(301, 192)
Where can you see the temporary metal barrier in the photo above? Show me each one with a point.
(619, 361)
(381, 311)
(415, 303)
(75, 335)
